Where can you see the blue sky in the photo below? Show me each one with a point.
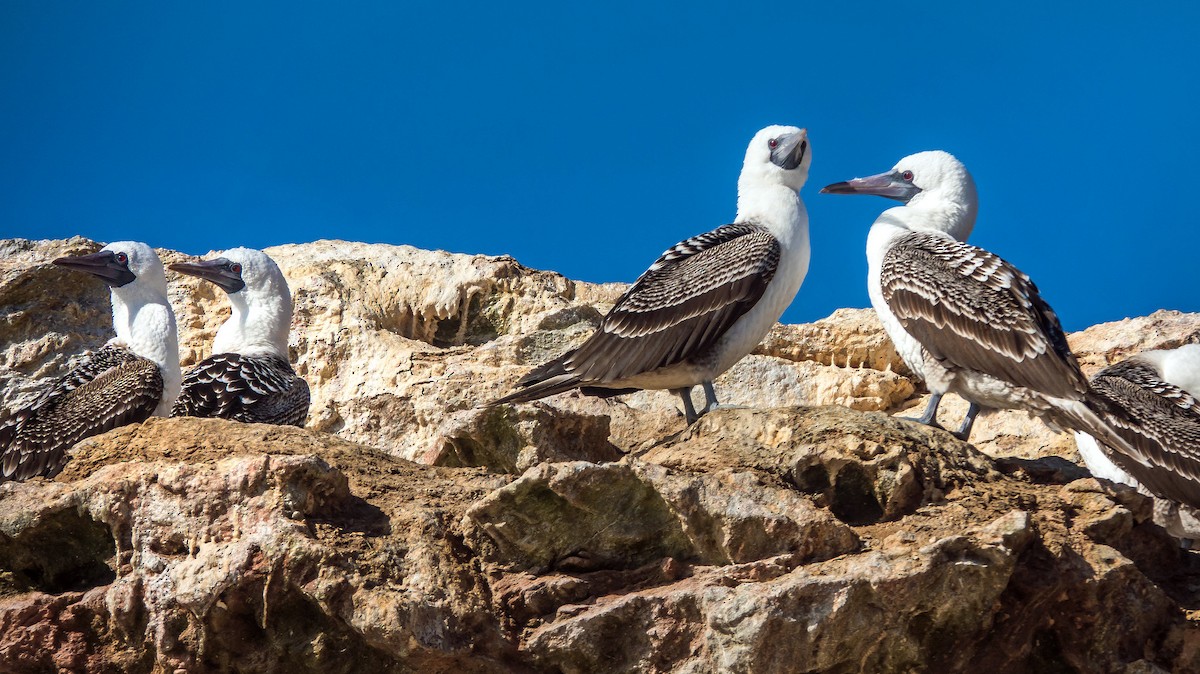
(586, 139)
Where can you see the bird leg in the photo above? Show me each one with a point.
(710, 398)
(929, 418)
(689, 411)
(964, 431)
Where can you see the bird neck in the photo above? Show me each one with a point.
(259, 325)
(145, 324)
(955, 217)
(776, 207)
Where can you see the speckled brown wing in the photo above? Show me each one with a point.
(251, 389)
(675, 312)
(112, 388)
(972, 310)
(1160, 421)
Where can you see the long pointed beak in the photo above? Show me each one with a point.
(889, 185)
(103, 265)
(215, 271)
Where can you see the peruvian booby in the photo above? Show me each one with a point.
(1153, 405)
(946, 202)
(707, 301)
(132, 377)
(985, 332)
(249, 377)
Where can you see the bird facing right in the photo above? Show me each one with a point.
(707, 301)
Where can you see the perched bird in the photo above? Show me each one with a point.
(945, 202)
(707, 301)
(248, 378)
(132, 377)
(1153, 405)
(985, 332)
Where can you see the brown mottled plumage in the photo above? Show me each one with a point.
(1160, 421)
(252, 389)
(972, 310)
(675, 312)
(112, 388)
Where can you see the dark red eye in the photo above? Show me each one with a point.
(235, 268)
(122, 258)
(773, 143)
(907, 175)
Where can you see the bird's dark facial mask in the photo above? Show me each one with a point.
(787, 151)
(894, 184)
(108, 266)
(221, 271)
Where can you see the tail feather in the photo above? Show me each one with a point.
(546, 380)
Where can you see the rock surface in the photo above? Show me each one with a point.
(808, 532)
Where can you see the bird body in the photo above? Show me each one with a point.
(967, 320)
(1152, 400)
(134, 376)
(707, 301)
(248, 378)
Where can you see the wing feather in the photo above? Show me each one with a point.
(973, 310)
(681, 306)
(252, 389)
(675, 312)
(112, 388)
(1160, 421)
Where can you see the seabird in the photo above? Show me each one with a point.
(946, 202)
(248, 378)
(985, 332)
(1152, 404)
(132, 377)
(707, 301)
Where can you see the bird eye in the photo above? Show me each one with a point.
(907, 175)
(122, 258)
(236, 268)
(773, 143)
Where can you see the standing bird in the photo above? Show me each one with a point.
(132, 377)
(248, 378)
(984, 331)
(707, 301)
(1154, 404)
(947, 203)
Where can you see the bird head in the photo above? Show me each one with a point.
(777, 155)
(126, 265)
(933, 180)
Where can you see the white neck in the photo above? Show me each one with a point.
(259, 324)
(145, 324)
(776, 207)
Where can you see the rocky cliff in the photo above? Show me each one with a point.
(406, 530)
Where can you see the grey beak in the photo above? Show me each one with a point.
(103, 265)
(788, 154)
(218, 271)
(890, 185)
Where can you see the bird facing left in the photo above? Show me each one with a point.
(134, 376)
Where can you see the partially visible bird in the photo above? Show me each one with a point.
(707, 301)
(132, 377)
(985, 332)
(1153, 405)
(939, 196)
(249, 377)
